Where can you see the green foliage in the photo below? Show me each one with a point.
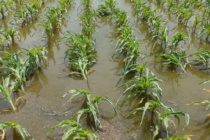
(202, 57)
(81, 54)
(144, 85)
(22, 131)
(21, 70)
(74, 131)
(6, 89)
(107, 8)
(175, 59)
(9, 35)
(90, 109)
(185, 137)
(200, 102)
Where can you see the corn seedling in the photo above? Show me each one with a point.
(21, 70)
(174, 59)
(5, 6)
(145, 84)
(6, 90)
(202, 58)
(205, 31)
(9, 35)
(74, 131)
(81, 54)
(52, 21)
(185, 137)
(90, 107)
(107, 9)
(22, 131)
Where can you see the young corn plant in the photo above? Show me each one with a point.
(90, 108)
(4, 7)
(205, 31)
(22, 131)
(174, 59)
(107, 8)
(81, 54)
(9, 35)
(52, 21)
(184, 14)
(161, 114)
(173, 45)
(202, 58)
(6, 89)
(74, 131)
(144, 85)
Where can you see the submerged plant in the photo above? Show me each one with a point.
(74, 131)
(202, 58)
(174, 59)
(22, 131)
(81, 54)
(6, 89)
(144, 85)
(9, 35)
(90, 109)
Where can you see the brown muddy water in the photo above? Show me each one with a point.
(44, 106)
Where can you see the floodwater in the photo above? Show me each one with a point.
(44, 107)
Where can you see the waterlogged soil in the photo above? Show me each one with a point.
(44, 106)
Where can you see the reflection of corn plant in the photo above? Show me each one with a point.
(81, 55)
(176, 59)
(202, 58)
(22, 131)
(9, 35)
(6, 90)
(74, 131)
(146, 86)
(90, 107)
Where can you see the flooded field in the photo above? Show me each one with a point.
(44, 106)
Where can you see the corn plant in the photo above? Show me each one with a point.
(202, 102)
(184, 14)
(121, 18)
(81, 54)
(74, 131)
(185, 137)
(202, 58)
(52, 21)
(90, 108)
(6, 90)
(9, 35)
(174, 59)
(22, 131)
(25, 15)
(65, 3)
(87, 19)
(5, 6)
(175, 41)
(161, 114)
(205, 31)
(144, 85)
(107, 8)
(21, 70)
